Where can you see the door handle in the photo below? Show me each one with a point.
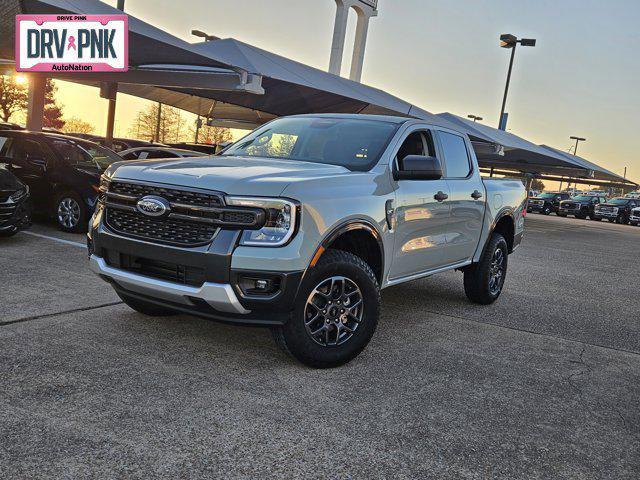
(441, 196)
(476, 195)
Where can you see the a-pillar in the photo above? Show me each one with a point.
(35, 108)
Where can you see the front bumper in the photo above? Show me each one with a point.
(606, 214)
(634, 218)
(15, 215)
(219, 295)
(194, 280)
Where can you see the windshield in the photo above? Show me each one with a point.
(582, 198)
(85, 154)
(548, 195)
(352, 143)
(619, 201)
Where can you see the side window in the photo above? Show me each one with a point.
(130, 156)
(419, 142)
(456, 156)
(5, 147)
(159, 154)
(24, 149)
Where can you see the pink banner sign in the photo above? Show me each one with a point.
(72, 43)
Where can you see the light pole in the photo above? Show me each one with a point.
(475, 118)
(207, 38)
(577, 139)
(511, 41)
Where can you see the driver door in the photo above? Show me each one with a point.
(422, 213)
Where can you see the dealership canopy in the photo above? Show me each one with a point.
(520, 155)
(239, 85)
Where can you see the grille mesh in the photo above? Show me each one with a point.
(172, 195)
(166, 230)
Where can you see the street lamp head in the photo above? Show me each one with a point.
(508, 41)
(580, 139)
(475, 118)
(528, 42)
(206, 36)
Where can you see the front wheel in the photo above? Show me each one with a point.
(335, 313)
(483, 281)
(546, 211)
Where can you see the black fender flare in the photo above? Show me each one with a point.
(344, 227)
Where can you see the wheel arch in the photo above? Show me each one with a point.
(359, 237)
(505, 225)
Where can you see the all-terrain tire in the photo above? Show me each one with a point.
(478, 277)
(294, 336)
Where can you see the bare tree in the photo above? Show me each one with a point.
(77, 125)
(213, 135)
(171, 124)
(13, 97)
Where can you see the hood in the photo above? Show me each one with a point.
(8, 181)
(613, 205)
(231, 175)
(577, 202)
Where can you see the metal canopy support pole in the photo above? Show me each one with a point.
(339, 36)
(362, 29)
(111, 111)
(35, 109)
(157, 135)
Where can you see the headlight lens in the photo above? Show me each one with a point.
(18, 194)
(280, 221)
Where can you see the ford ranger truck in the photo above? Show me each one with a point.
(300, 224)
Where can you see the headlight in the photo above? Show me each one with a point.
(104, 183)
(280, 224)
(18, 194)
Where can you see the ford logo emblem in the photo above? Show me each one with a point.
(153, 206)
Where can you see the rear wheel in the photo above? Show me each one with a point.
(146, 308)
(546, 210)
(484, 280)
(71, 212)
(335, 314)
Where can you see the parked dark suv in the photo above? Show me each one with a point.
(617, 209)
(63, 173)
(547, 203)
(581, 206)
(15, 207)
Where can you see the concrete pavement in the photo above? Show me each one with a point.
(543, 384)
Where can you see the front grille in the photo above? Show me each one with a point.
(172, 272)
(192, 217)
(172, 195)
(6, 209)
(178, 232)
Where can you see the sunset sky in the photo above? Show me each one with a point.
(581, 79)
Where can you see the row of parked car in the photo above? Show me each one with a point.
(596, 207)
(57, 176)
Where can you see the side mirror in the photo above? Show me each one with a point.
(419, 167)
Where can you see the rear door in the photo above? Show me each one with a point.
(422, 212)
(466, 196)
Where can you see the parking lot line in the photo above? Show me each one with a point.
(55, 239)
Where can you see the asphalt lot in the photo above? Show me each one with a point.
(543, 384)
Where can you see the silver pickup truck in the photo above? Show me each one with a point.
(299, 225)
